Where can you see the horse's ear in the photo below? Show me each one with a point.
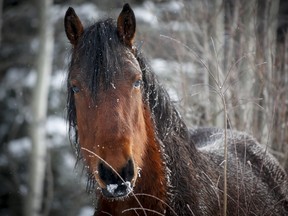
(126, 25)
(73, 26)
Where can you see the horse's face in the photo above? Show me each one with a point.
(111, 127)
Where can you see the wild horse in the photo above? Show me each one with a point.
(139, 151)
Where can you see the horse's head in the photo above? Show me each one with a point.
(105, 104)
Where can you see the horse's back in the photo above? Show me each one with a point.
(256, 182)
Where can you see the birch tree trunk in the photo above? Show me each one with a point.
(217, 60)
(265, 49)
(283, 116)
(39, 109)
(247, 41)
(213, 41)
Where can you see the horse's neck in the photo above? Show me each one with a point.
(152, 179)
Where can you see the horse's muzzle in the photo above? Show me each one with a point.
(117, 190)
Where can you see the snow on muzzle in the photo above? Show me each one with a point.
(117, 190)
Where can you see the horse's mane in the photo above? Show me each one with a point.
(100, 50)
(167, 119)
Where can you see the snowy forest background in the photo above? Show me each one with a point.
(207, 53)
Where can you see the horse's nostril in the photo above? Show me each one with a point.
(109, 176)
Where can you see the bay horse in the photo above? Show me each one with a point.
(136, 146)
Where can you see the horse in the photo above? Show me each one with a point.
(137, 148)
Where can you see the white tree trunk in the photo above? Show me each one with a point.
(39, 111)
(216, 61)
(266, 39)
(247, 66)
(271, 40)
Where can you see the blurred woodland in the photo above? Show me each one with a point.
(211, 55)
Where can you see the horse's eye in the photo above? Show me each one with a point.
(137, 84)
(75, 89)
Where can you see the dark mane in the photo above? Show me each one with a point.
(99, 65)
(167, 119)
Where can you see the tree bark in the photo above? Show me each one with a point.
(213, 40)
(247, 42)
(265, 49)
(39, 111)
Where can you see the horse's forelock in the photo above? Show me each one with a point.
(100, 55)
